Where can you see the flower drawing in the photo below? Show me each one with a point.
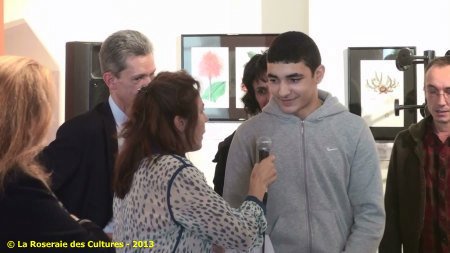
(210, 66)
(381, 86)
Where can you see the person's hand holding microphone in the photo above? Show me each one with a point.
(264, 172)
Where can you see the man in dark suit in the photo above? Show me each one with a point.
(81, 158)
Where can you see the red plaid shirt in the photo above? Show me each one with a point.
(436, 230)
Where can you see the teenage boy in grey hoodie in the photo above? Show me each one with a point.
(328, 196)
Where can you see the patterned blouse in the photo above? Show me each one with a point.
(171, 208)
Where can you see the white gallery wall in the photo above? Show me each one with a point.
(40, 29)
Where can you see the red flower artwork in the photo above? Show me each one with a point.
(210, 66)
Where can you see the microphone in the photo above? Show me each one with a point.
(263, 147)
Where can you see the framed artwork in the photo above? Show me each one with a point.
(217, 61)
(374, 85)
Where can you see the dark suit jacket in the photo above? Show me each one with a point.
(30, 212)
(81, 159)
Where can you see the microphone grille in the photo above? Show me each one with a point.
(264, 141)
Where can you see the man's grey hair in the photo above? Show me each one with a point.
(115, 50)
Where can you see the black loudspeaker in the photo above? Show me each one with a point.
(85, 87)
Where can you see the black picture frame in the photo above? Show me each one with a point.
(359, 55)
(234, 42)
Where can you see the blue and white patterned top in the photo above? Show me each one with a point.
(202, 217)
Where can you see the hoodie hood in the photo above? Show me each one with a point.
(330, 107)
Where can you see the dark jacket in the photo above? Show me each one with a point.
(81, 160)
(221, 160)
(30, 212)
(405, 191)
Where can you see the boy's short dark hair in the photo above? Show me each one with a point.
(294, 47)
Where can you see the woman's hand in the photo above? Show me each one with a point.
(263, 174)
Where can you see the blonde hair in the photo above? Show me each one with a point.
(26, 98)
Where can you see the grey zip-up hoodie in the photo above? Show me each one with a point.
(328, 196)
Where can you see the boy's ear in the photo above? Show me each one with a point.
(180, 123)
(319, 73)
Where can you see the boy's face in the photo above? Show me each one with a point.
(294, 87)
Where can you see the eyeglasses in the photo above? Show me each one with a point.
(434, 93)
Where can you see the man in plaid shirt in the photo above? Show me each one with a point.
(417, 198)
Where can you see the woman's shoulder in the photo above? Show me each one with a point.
(164, 164)
(171, 160)
(17, 180)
